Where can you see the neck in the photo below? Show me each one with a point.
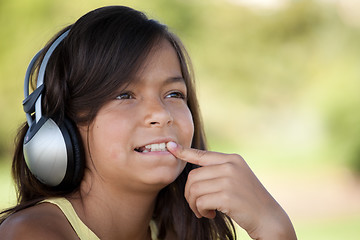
(114, 214)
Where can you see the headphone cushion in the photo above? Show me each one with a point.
(75, 168)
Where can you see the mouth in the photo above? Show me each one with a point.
(155, 147)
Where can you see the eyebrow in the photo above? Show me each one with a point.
(174, 80)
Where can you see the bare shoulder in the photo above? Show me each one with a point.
(43, 221)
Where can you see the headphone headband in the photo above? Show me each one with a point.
(32, 102)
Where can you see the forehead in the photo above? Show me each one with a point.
(162, 62)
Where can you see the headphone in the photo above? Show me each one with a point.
(52, 151)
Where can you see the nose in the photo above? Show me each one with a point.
(157, 114)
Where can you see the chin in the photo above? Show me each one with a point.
(163, 176)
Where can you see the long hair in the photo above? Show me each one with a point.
(103, 51)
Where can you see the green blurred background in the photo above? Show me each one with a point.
(278, 82)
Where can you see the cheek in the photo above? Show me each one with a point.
(108, 136)
(186, 127)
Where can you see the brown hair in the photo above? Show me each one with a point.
(103, 51)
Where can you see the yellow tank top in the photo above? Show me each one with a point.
(83, 232)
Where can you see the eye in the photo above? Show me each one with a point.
(176, 94)
(125, 95)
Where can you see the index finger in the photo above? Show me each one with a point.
(196, 156)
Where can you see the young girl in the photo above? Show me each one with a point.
(118, 90)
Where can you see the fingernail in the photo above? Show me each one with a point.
(171, 145)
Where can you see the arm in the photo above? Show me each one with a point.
(226, 183)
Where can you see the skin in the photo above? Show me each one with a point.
(42, 222)
(121, 184)
(119, 189)
(224, 182)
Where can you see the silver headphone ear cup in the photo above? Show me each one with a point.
(45, 152)
(54, 153)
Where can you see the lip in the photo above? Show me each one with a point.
(157, 153)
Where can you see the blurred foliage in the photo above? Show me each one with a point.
(279, 86)
(283, 80)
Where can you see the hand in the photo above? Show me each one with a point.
(224, 182)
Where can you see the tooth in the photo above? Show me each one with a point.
(145, 151)
(156, 147)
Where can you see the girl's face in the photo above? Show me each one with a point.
(128, 136)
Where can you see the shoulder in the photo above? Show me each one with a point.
(43, 221)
